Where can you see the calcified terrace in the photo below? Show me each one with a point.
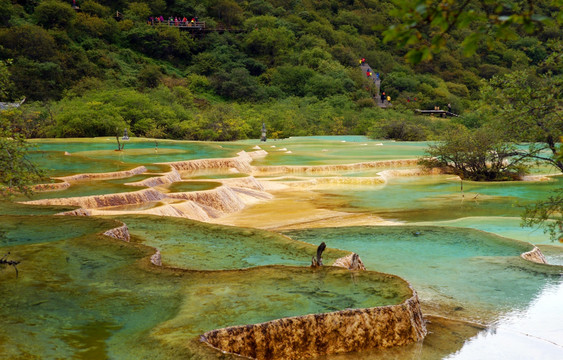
(228, 202)
(281, 197)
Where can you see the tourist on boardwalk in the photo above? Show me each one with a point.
(382, 97)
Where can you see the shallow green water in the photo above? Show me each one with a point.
(436, 198)
(99, 155)
(73, 297)
(194, 245)
(91, 187)
(26, 230)
(462, 268)
(509, 227)
(81, 295)
(218, 176)
(185, 186)
(319, 150)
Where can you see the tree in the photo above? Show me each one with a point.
(149, 76)
(481, 155)
(5, 82)
(270, 42)
(529, 108)
(547, 214)
(17, 172)
(425, 25)
(88, 119)
(229, 12)
(54, 13)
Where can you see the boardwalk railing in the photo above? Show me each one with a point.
(196, 25)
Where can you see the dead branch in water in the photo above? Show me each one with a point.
(318, 261)
(4, 261)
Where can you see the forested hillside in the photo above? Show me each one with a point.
(93, 68)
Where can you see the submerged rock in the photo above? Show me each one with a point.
(534, 255)
(120, 233)
(156, 258)
(350, 262)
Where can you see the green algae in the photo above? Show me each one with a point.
(67, 289)
(8, 207)
(26, 230)
(193, 245)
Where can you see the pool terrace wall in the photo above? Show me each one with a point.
(313, 335)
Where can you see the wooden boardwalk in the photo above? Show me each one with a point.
(197, 26)
(442, 113)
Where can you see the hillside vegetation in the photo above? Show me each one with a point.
(96, 70)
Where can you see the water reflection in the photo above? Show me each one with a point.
(533, 333)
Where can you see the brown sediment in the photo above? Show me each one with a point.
(308, 336)
(295, 208)
(534, 255)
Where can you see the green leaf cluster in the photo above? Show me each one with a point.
(296, 57)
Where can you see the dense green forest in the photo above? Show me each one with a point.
(99, 67)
